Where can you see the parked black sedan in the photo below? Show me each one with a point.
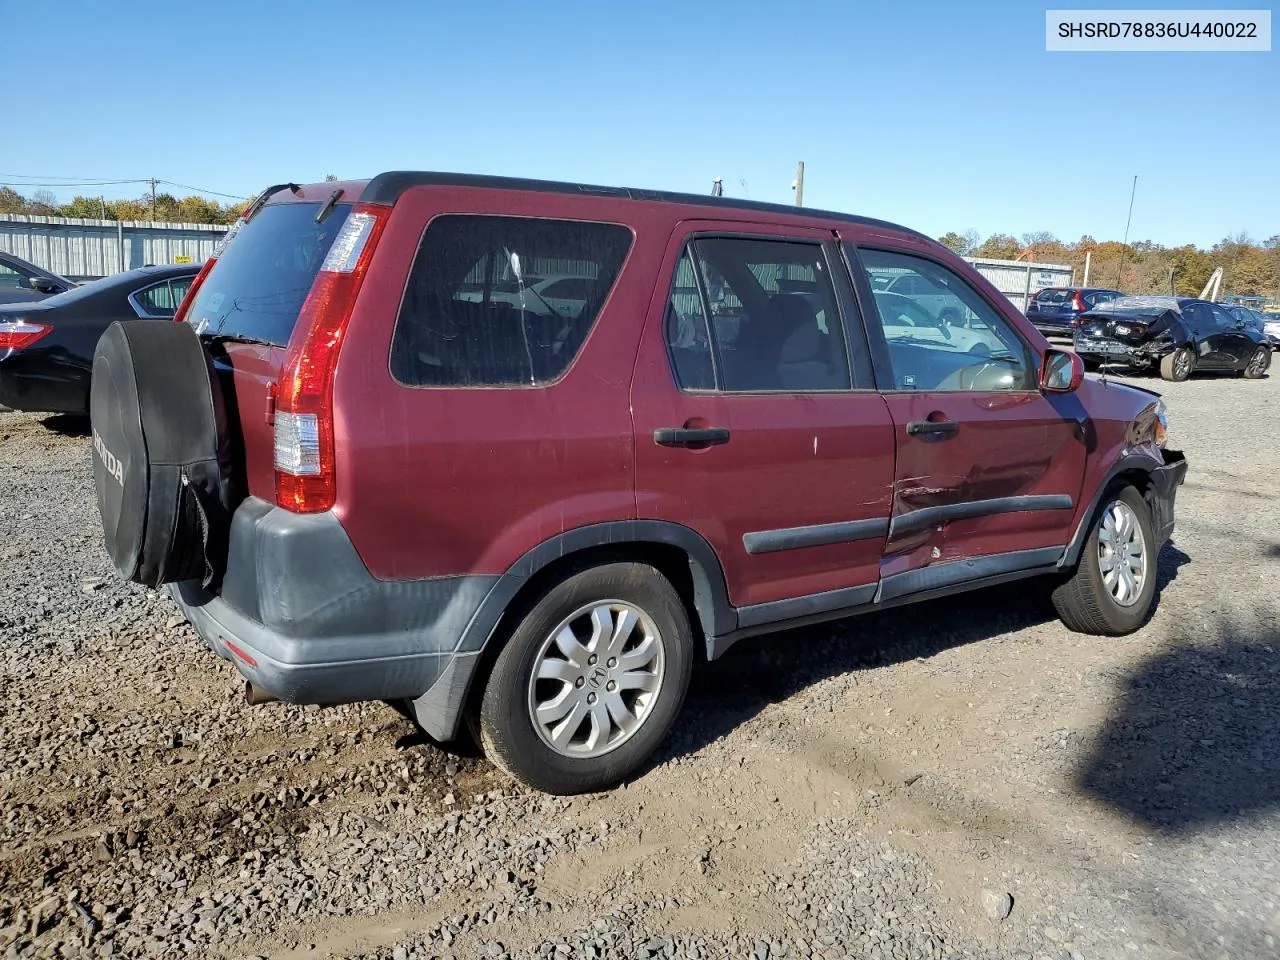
(1269, 325)
(21, 282)
(46, 347)
(1176, 335)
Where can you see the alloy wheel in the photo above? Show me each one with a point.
(596, 679)
(1122, 553)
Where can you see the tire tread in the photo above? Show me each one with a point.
(1082, 601)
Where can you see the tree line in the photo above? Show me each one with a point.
(1249, 268)
(168, 208)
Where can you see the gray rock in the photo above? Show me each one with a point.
(997, 904)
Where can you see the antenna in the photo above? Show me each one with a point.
(745, 189)
(1132, 194)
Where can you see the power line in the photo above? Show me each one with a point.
(54, 176)
(79, 183)
(39, 180)
(213, 193)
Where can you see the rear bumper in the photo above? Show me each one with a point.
(1165, 481)
(22, 388)
(300, 616)
(1056, 328)
(1115, 351)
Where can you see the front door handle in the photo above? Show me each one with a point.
(694, 437)
(931, 428)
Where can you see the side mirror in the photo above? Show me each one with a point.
(43, 284)
(1061, 372)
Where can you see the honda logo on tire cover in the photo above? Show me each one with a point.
(109, 460)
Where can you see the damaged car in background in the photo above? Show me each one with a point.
(1174, 335)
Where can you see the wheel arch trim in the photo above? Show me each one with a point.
(440, 708)
(1130, 463)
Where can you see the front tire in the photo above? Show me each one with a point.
(1176, 366)
(1114, 584)
(1257, 366)
(590, 681)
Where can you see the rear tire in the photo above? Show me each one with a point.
(1177, 366)
(1105, 596)
(603, 658)
(1258, 364)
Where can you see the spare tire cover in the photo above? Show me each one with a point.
(161, 463)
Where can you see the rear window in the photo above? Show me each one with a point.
(477, 312)
(257, 286)
(1053, 296)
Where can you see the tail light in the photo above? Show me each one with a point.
(181, 313)
(1077, 304)
(304, 449)
(19, 334)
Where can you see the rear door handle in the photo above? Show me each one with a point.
(690, 436)
(928, 428)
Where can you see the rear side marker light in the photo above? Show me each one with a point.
(19, 334)
(239, 654)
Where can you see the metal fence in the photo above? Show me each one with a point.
(87, 249)
(1018, 280)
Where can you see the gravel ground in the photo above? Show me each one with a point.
(961, 779)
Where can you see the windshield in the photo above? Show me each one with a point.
(256, 288)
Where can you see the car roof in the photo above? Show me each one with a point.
(164, 269)
(386, 188)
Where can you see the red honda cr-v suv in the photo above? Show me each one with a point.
(517, 453)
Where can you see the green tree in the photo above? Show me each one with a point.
(1192, 268)
(11, 201)
(1251, 273)
(955, 242)
(90, 208)
(999, 246)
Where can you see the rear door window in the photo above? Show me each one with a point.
(479, 312)
(262, 276)
(773, 324)
(161, 300)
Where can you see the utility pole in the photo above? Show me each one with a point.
(102, 200)
(1088, 261)
(798, 186)
(152, 181)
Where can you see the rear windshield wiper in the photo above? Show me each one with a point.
(328, 206)
(236, 338)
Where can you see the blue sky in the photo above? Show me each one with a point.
(937, 115)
